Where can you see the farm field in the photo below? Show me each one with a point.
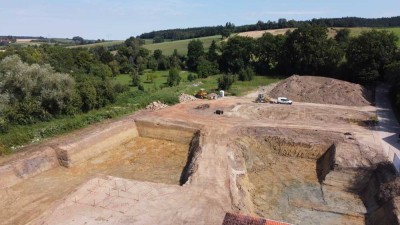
(105, 44)
(168, 47)
(354, 31)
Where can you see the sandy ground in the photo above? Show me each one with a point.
(140, 159)
(144, 187)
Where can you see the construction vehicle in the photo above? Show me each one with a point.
(202, 94)
(265, 99)
(284, 100)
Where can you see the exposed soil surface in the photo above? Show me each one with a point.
(141, 159)
(304, 163)
(286, 188)
(322, 90)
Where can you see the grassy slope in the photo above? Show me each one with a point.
(209, 84)
(105, 44)
(126, 103)
(169, 46)
(356, 31)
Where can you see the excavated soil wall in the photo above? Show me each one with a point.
(96, 143)
(171, 132)
(30, 185)
(191, 163)
(49, 155)
(284, 179)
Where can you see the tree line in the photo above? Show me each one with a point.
(197, 32)
(306, 51)
(38, 83)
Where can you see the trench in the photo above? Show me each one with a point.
(159, 154)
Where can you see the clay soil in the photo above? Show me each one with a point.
(141, 159)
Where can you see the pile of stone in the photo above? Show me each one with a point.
(156, 106)
(187, 98)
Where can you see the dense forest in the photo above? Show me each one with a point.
(189, 33)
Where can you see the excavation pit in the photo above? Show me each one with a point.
(285, 179)
(141, 158)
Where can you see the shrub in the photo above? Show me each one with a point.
(191, 77)
(392, 72)
(173, 78)
(206, 68)
(141, 87)
(225, 81)
(37, 91)
(246, 74)
(3, 126)
(120, 88)
(135, 78)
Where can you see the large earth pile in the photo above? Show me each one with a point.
(322, 90)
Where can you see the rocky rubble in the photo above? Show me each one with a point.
(156, 106)
(187, 98)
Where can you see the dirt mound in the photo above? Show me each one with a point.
(322, 90)
(187, 98)
(156, 106)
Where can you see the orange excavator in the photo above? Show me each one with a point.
(202, 94)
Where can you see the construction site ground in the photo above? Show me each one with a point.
(188, 165)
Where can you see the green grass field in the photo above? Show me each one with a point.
(356, 31)
(209, 84)
(169, 46)
(105, 44)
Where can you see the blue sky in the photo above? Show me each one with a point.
(120, 19)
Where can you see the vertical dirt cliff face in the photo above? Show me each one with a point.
(380, 196)
(193, 154)
(326, 163)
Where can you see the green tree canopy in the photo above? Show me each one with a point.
(195, 52)
(173, 77)
(268, 52)
(237, 53)
(307, 50)
(369, 53)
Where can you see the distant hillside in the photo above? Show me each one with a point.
(196, 32)
(168, 47)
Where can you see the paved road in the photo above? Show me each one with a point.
(389, 127)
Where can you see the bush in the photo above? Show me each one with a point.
(135, 78)
(173, 78)
(225, 81)
(37, 91)
(191, 77)
(392, 72)
(206, 68)
(3, 126)
(120, 88)
(246, 74)
(141, 87)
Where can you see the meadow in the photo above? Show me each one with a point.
(168, 47)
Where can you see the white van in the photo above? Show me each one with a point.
(284, 100)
